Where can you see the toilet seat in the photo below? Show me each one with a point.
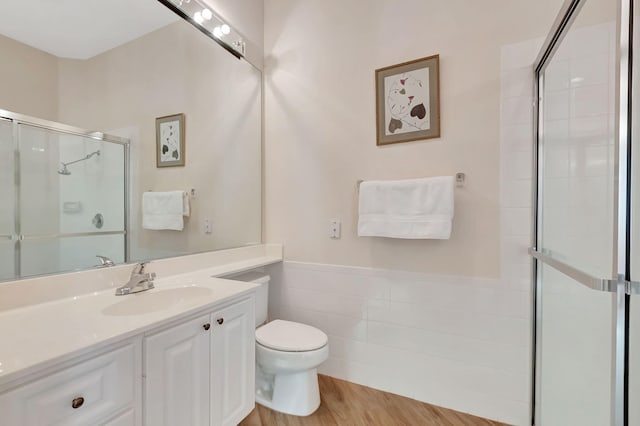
(290, 336)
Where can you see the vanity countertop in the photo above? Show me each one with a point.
(36, 336)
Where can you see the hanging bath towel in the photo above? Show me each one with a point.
(412, 208)
(164, 210)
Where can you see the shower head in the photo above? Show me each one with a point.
(64, 170)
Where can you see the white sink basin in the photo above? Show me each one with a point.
(155, 300)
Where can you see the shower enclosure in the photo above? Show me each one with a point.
(64, 196)
(586, 245)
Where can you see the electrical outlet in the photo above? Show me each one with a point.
(208, 228)
(334, 229)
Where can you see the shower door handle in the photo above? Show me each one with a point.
(608, 285)
(594, 283)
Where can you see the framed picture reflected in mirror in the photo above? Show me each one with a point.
(170, 148)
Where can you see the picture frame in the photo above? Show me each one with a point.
(170, 146)
(408, 101)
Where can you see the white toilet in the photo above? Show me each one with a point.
(287, 356)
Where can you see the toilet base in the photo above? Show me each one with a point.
(297, 394)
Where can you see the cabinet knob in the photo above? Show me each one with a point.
(207, 326)
(220, 320)
(77, 402)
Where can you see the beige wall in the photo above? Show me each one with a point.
(178, 70)
(29, 80)
(320, 138)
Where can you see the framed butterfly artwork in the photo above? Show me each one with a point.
(170, 149)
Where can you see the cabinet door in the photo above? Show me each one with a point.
(232, 364)
(177, 375)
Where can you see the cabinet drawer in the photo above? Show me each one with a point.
(96, 388)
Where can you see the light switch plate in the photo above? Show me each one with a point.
(335, 229)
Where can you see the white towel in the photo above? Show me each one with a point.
(164, 210)
(413, 208)
(186, 208)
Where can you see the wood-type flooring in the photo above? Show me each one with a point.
(348, 404)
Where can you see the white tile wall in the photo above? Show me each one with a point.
(458, 342)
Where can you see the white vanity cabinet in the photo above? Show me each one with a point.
(103, 390)
(201, 372)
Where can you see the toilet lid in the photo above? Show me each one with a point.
(290, 336)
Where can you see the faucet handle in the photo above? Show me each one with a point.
(139, 268)
(104, 261)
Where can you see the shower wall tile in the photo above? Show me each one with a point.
(557, 105)
(591, 40)
(518, 135)
(516, 221)
(590, 100)
(512, 314)
(515, 111)
(517, 83)
(516, 193)
(557, 162)
(558, 79)
(556, 133)
(587, 72)
(592, 130)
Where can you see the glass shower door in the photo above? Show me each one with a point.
(63, 193)
(577, 290)
(7, 194)
(634, 258)
(72, 200)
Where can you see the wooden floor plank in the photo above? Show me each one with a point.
(348, 404)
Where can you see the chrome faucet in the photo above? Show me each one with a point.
(139, 281)
(105, 262)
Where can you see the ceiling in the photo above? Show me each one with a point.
(81, 29)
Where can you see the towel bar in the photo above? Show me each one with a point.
(460, 180)
(192, 193)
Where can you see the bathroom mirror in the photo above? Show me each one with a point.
(116, 66)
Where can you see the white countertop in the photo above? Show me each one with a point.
(38, 336)
(37, 290)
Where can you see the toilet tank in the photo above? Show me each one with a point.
(262, 292)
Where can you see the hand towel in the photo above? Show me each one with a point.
(164, 210)
(412, 208)
(186, 207)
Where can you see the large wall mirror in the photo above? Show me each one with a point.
(84, 84)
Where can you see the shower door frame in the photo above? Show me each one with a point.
(620, 282)
(16, 120)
